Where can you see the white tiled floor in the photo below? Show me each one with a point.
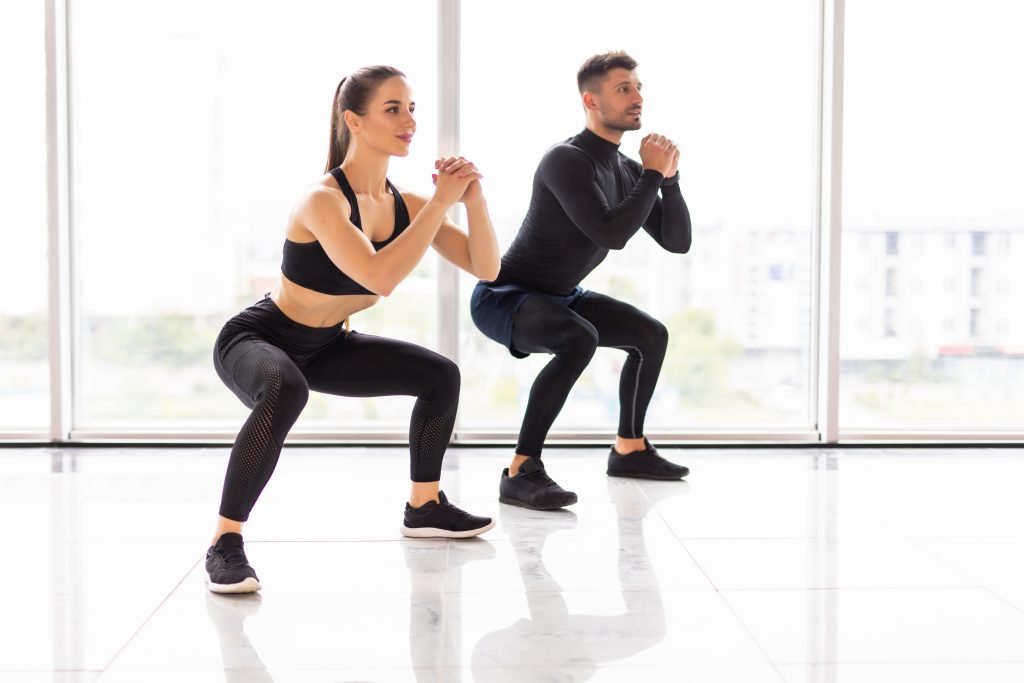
(767, 565)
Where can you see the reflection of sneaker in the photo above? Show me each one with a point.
(442, 520)
(634, 499)
(525, 526)
(645, 464)
(657, 491)
(228, 614)
(461, 554)
(227, 568)
(532, 488)
(231, 611)
(437, 557)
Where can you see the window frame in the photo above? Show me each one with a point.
(825, 275)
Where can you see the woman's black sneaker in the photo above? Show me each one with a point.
(227, 568)
(442, 520)
(645, 464)
(532, 488)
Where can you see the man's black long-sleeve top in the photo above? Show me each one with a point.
(587, 199)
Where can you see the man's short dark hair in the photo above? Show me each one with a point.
(594, 69)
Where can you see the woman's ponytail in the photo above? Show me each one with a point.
(339, 143)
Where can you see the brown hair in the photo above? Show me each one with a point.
(353, 93)
(594, 69)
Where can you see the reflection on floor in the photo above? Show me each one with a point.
(767, 565)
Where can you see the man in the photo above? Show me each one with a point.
(587, 198)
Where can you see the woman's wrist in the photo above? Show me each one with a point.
(439, 203)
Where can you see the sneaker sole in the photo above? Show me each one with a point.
(434, 532)
(521, 504)
(650, 476)
(250, 585)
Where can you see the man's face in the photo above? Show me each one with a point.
(619, 101)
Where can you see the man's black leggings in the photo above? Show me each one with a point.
(271, 363)
(572, 333)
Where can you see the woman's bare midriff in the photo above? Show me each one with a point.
(314, 309)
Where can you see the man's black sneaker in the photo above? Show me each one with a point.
(532, 488)
(227, 568)
(645, 464)
(442, 520)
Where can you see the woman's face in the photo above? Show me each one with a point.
(388, 125)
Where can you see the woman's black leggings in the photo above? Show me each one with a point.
(572, 333)
(271, 363)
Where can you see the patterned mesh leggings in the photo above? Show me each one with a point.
(271, 363)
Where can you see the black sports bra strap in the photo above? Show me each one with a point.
(350, 195)
(401, 210)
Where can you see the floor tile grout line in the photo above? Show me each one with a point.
(728, 606)
(688, 553)
(721, 597)
(910, 540)
(729, 595)
(905, 661)
(148, 618)
(898, 662)
(841, 538)
(984, 585)
(917, 545)
(55, 670)
(865, 511)
(693, 559)
(727, 589)
(690, 591)
(750, 634)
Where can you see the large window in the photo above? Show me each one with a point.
(733, 83)
(193, 135)
(933, 217)
(24, 375)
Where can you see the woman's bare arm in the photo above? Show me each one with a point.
(324, 212)
(475, 252)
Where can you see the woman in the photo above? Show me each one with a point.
(351, 238)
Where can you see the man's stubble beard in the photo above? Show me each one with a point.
(623, 124)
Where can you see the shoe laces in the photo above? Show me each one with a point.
(540, 477)
(233, 555)
(454, 508)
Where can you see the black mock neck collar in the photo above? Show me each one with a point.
(597, 145)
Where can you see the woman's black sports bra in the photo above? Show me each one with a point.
(308, 265)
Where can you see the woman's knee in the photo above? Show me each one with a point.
(443, 380)
(287, 388)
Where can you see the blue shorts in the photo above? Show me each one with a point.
(492, 306)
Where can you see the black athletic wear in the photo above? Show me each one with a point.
(442, 520)
(572, 334)
(589, 198)
(572, 328)
(644, 464)
(308, 265)
(272, 362)
(492, 306)
(533, 488)
(227, 568)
